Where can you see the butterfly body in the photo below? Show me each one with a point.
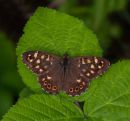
(71, 75)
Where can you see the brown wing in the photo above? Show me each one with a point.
(51, 81)
(80, 71)
(47, 67)
(92, 67)
(39, 62)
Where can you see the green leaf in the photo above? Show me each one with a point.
(56, 33)
(9, 76)
(7, 53)
(6, 100)
(44, 108)
(26, 92)
(108, 97)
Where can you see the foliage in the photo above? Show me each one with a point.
(108, 96)
(57, 33)
(10, 83)
(96, 15)
(43, 107)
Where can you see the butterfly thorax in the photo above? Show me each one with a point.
(65, 62)
(65, 68)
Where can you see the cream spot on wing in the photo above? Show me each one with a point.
(102, 62)
(43, 79)
(48, 77)
(95, 60)
(42, 57)
(88, 61)
(83, 62)
(45, 67)
(48, 58)
(88, 74)
(35, 55)
(37, 66)
(78, 65)
(92, 72)
(83, 83)
(38, 61)
(41, 70)
(84, 70)
(31, 60)
(78, 80)
(29, 55)
(92, 66)
(81, 74)
(99, 67)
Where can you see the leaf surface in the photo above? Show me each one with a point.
(55, 33)
(44, 108)
(108, 98)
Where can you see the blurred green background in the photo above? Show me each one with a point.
(109, 19)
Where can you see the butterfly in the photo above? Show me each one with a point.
(71, 75)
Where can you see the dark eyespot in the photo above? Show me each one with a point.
(49, 86)
(45, 82)
(76, 89)
(71, 90)
(81, 86)
(30, 57)
(54, 87)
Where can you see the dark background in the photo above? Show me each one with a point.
(109, 19)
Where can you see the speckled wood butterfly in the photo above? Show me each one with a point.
(71, 75)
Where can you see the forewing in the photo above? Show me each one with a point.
(47, 68)
(37, 61)
(91, 67)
